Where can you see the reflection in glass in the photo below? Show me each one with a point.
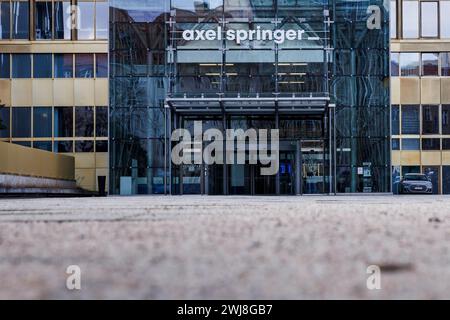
(84, 146)
(4, 122)
(42, 122)
(444, 8)
(445, 119)
(430, 64)
(21, 67)
(410, 144)
(42, 65)
(62, 16)
(63, 122)
(86, 20)
(101, 67)
(393, 19)
(429, 19)
(101, 121)
(431, 144)
(410, 19)
(101, 146)
(21, 122)
(63, 146)
(395, 120)
(445, 64)
(395, 67)
(20, 23)
(410, 120)
(43, 20)
(84, 65)
(5, 20)
(4, 65)
(101, 20)
(84, 121)
(430, 119)
(43, 145)
(409, 64)
(63, 65)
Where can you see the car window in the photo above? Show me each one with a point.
(416, 177)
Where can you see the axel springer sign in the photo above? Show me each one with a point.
(278, 36)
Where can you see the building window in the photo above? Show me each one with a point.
(84, 146)
(62, 16)
(101, 20)
(410, 23)
(63, 122)
(410, 169)
(410, 144)
(21, 66)
(84, 121)
(446, 144)
(410, 120)
(86, 20)
(20, 20)
(84, 65)
(5, 20)
(4, 122)
(429, 19)
(433, 175)
(430, 64)
(43, 20)
(43, 145)
(430, 119)
(101, 67)
(395, 118)
(409, 64)
(42, 122)
(395, 144)
(42, 65)
(63, 65)
(63, 146)
(21, 122)
(101, 121)
(101, 146)
(445, 64)
(446, 119)
(4, 65)
(393, 19)
(431, 144)
(444, 8)
(446, 179)
(395, 67)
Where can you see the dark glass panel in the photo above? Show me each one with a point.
(43, 20)
(43, 145)
(395, 66)
(20, 20)
(101, 121)
(84, 146)
(430, 119)
(101, 146)
(5, 61)
(4, 122)
(410, 144)
(21, 122)
(84, 121)
(395, 120)
(395, 144)
(63, 65)
(23, 143)
(42, 65)
(431, 144)
(445, 64)
(446, 179)
(140, 153)
(63, 146)
(84, 65)
(62, 16)
(63, 122)
(433, 175)
(410, 120)
(42, 122)
(410, 169)
(101, 68)
(5, 20)
(21, 65)
(445, 144)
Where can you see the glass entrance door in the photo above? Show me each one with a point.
(312, 167)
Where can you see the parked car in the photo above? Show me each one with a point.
(415, 183)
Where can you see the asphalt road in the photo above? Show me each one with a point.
(195, 247)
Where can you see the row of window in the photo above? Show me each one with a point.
(58, 122)
(414, 64)
(435, 119)
(54, 20)
(67, 146)
(421, 19)
(57, 65)
(425, 144)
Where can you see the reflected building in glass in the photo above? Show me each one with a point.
(316, 70)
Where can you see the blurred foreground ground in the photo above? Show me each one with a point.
(195, 247)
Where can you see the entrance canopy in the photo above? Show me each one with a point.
(256, 104)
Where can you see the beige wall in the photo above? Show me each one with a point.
(15, 159)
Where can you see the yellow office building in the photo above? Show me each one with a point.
(54, 80)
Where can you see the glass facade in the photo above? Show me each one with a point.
(317, 70)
